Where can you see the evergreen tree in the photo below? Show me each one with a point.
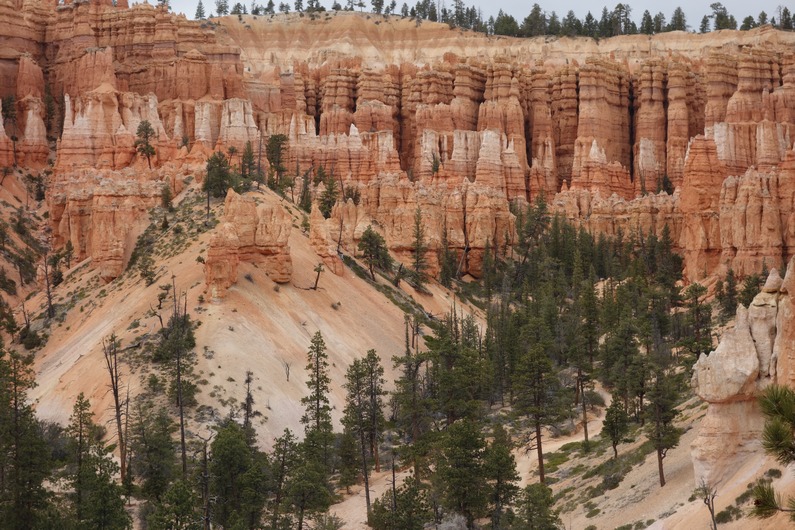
(785, 21)
(571, 25)
(778, 439)
(538, 386)
(748, 23)
(659, 23)
(237, 478)
(411, 403)
(355, 419)
(505, 25)
(535, 24)
(374, 251)
(284, 461)
(698, 338)
(590, 27)
(97, 498)
(8, 106)
(317, 415)
(222, 7)
(305, 199)
(419, 247)
(143, 142)
(328, 198)
(307, 490)
(350, 461)
(25, 460)
(404, 508)
(199, 11)
(752, 284)
(616, 424)
(553, 24)
(536, 509)
(501, 474)
(646, 23)
(219, 177)
(248, 166)
(177, 511)
(661, 413)
(728, 298)
(678, 21)
(460, 473)
(152, 446)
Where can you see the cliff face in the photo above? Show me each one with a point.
(759, 351)
(457, 123)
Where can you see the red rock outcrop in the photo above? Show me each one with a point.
(252, 233)
(103, 214)
(438, 119)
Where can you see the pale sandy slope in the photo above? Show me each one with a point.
(257, 326)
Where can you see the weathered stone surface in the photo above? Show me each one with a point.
(759, 351)
(103, 214)
(730, 372)
(251, 233)
(574, 120)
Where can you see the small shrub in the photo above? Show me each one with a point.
(773, 473)
(30, 339)
(593, 513)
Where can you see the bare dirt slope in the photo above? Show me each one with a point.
(258, 326)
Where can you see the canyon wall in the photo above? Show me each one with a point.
(757, 352)
(633, 133)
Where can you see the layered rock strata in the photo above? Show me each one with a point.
(456, 124)
(251, 233)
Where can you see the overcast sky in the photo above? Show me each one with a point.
(694, 9)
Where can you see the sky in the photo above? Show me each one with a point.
(694, 9)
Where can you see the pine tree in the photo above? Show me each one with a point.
(698, 338)
(501, 474)
(411, 402)
(152, 447)
(536, 509)
(778, 405)
(97, 498)
(661, 413)
(307, 490)
(218, 179)
(24, 455)
(350, 461)
(538, 397)
(329, 197)
(460, 474)
(248, 165)
(616, 424)
(284, 459)
(199, 11)
(143, 142)
(646, 23)
(177, 511)
(678, 21)
(419, 264)
(404, 508)
(374, 251)
(222, 7)
(356, 420)
(237, 478)
(317, 415)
